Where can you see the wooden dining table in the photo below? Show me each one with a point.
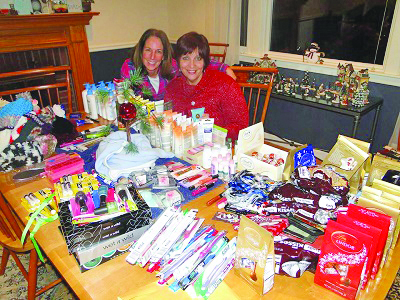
(116, 278)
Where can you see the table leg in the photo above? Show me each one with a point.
(377, 111)
(355, 125)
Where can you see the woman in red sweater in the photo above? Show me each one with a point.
(218, 93)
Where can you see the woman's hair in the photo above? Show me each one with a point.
(188, 42)
(166, 63)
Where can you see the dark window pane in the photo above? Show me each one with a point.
(243, 22)
(345, 30)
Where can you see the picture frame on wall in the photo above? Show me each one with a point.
(23, 7)
(74, 6)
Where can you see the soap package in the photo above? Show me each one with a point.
(255, 257)
(342, 262)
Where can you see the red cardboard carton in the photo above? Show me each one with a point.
(343, 259)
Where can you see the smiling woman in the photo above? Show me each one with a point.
(153, 55)
(200, 87)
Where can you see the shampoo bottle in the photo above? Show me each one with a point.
(214, 166)
(84, 98)
(92, 104)
(94, 89)
(111, 106)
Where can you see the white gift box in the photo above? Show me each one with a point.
(251, 139)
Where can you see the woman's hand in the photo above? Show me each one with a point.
(230, 73)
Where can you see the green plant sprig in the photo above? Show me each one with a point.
(102, 95)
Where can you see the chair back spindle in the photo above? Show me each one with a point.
(257, 94)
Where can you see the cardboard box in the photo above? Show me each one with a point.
(80, 237)
(104, 258)
(86, 255)
(251, 139)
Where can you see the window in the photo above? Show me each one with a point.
(243, 22)
(346, 30)
(364, 32)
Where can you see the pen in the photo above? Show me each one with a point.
(94, 120)
(215, 199)
(203, 181)
(202, 189)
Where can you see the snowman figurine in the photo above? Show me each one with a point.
(313, 55)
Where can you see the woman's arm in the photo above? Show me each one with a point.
(216, 65)
(234, 109)
(127, 66)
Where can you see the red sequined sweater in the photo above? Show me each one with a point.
(218, 93)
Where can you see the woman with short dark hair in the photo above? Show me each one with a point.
(200, 87)
(153, 54)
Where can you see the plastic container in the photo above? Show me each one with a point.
(92, 104)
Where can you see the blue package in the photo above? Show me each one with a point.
(305, 157)
(96, 198)
(75, 115)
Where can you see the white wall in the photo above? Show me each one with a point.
(185, 16)
(122, 22)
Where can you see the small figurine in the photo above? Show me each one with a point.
(287, 87)
(320, 92)
(296, 91)
(313, 55)
(266, 62)
(329, 93)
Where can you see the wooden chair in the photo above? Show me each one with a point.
(257, 95)
(10, 239)
(46, 94)
(216, 55)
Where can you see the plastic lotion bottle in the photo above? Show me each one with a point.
(232, 168)
(92, 104)
(207, 157)
(84, 99)
(111, 106)
(214, 166)
(94, 89)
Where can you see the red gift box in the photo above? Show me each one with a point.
(342, 262)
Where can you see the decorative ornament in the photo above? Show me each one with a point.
(128, 113)
(313, 55)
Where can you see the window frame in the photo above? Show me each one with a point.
(258, 43)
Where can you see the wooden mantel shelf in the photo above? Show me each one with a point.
(45, 20)
(32, 32)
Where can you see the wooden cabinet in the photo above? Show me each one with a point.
(31, 32)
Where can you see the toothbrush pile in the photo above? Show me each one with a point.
(191, 257)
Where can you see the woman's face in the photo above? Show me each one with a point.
(191, 65)
(152, 55)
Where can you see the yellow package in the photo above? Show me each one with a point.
(386, 187)
(255, 256)
(380, 165)
(289, 165)
(348, 159)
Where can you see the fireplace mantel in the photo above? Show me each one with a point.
(30, 32)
